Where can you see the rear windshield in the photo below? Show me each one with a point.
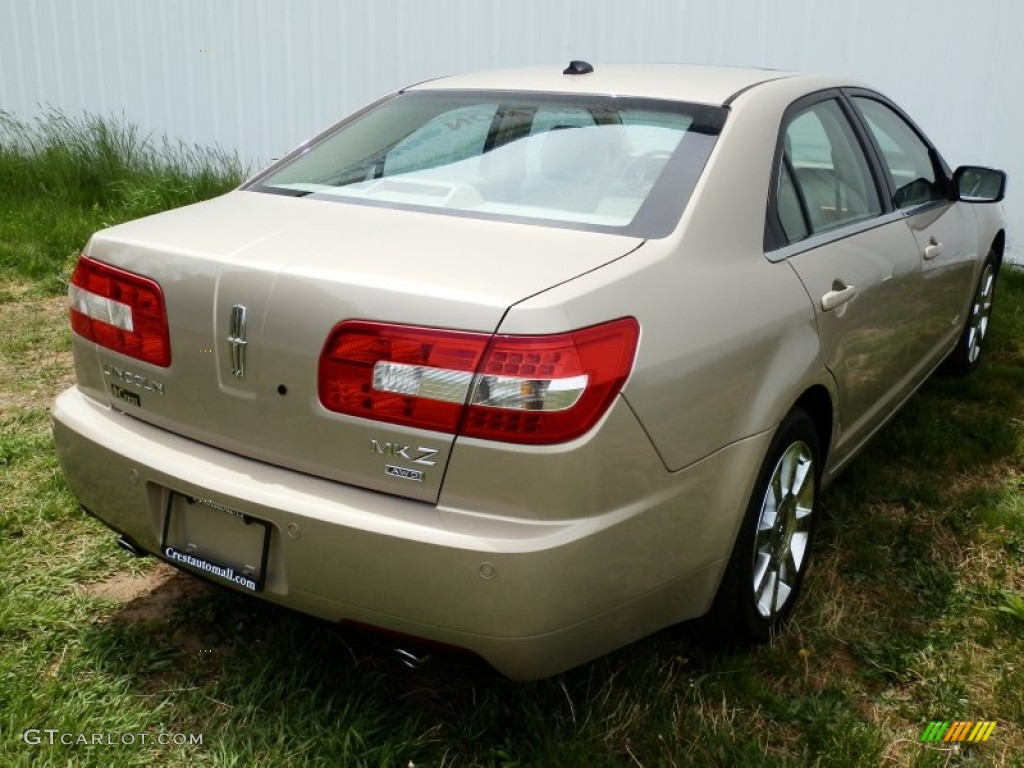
(601, 163)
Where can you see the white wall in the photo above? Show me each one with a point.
(260, 76)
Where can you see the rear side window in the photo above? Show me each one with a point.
(602, 163)
(905, 155)
(825, 180)
(791, 214)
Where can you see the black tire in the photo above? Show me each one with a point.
(749, 607)
(967, 354)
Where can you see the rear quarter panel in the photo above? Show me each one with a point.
(728, 339)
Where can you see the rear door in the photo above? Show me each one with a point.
(943, 230)
(855, 256)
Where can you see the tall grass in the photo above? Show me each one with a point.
(62, 177)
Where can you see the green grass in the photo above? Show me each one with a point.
(914, 609)
(63, 177)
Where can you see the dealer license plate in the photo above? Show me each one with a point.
(216, 541)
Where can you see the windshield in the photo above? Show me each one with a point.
(590, 162)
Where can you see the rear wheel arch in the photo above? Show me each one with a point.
(816, 402)
(762, 578)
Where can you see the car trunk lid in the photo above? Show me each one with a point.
(253, 285)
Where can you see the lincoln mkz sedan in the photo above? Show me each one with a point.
(533, 363)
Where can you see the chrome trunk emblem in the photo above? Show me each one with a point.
(236, 338)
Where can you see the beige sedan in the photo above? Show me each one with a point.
(533, 363)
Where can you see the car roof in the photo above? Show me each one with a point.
(679, 82)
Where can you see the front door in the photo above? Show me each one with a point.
(941, 229)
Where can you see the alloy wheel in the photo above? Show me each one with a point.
(981, 310)
(783, 534)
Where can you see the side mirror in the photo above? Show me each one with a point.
(977, 184)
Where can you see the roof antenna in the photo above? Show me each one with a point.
(577, 67)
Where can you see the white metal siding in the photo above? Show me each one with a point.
(260, 76)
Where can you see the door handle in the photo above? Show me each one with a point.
(933, 249)
(839, 295)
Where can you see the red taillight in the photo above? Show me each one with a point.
(119, 310)
(522, 389)
(549, 389)
(387, 373)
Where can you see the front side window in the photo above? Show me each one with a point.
(905, 155)
(604, 163)
(824, 177)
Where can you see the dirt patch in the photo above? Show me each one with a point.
(123, 587)
(153, 596)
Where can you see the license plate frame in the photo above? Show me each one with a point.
(225, 545)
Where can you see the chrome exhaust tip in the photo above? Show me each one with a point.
(410, 659)
(130, 547)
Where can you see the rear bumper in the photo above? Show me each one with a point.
(531, 597)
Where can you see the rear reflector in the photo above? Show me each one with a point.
(523, 389)
(119, 310)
